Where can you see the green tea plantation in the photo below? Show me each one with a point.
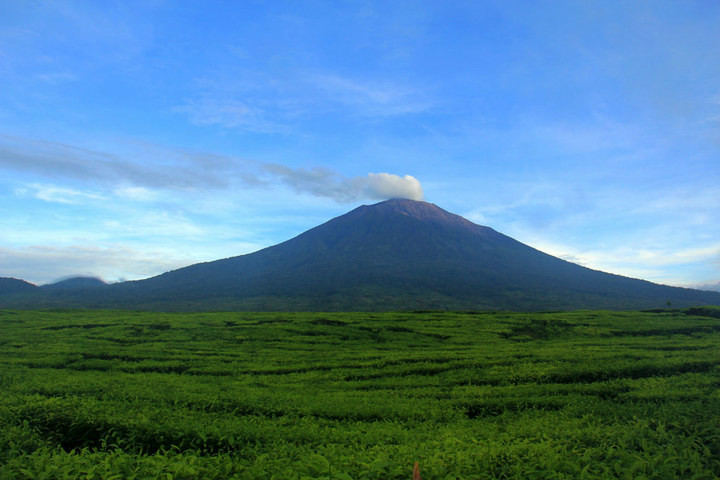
(91, 394)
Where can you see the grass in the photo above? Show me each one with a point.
(122, 395)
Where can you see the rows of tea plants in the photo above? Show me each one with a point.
(469, 395)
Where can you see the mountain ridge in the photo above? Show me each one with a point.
(75, 281)
(393, 255)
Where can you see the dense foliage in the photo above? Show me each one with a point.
(581, 395)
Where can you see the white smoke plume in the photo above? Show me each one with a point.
(386, 185)
(323, 182)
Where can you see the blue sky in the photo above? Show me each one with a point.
(138, 137)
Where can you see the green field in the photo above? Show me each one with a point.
(133, 395)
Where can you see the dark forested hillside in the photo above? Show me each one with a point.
(10, 286)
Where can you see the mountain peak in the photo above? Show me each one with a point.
(423, 211)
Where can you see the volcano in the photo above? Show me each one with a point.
(394, 255)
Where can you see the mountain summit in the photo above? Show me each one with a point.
(393, 255)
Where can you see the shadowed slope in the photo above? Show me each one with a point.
(11, 286)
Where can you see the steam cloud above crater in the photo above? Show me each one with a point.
(385, 185)
(324, 182)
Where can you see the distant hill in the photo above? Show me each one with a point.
(394, 255)
(11, 286)
(75, 283)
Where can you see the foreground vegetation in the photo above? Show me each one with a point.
(131, 395)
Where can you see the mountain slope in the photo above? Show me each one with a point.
(408, 254)
(398, 254)
(11, 286)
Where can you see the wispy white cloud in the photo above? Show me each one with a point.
(57, 77)
(207, 110)
(55, 194)
(156, 223)
(46, 159)
(44, 264)
(706, 286)
(123, 239)
(283, 103)
(324, 182)
(656, 229)
(139, 194)
(662, 263)
(371, 98)
(184, 171)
